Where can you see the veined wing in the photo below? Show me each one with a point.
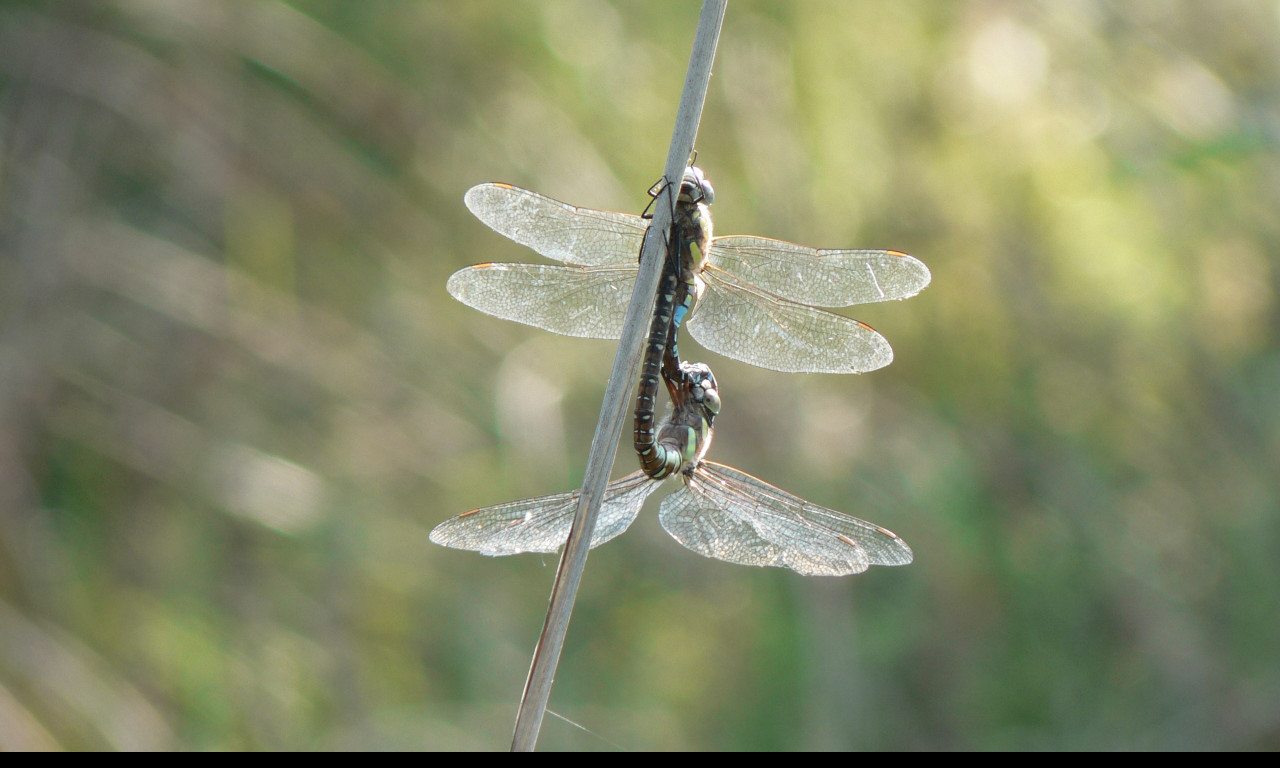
(740, 321)
(542, 524)
(732, 516)
(558, 230)
(575, 301)
(825, 278)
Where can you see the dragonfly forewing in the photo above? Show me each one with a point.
(732, 516)
(542, 524)
(738, 320)
(588, 302)
(558, 230)
(824, 278)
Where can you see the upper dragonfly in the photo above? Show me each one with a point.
(756, 299)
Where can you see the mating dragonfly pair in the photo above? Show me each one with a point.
(749, 298)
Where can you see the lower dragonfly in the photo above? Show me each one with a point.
(720, 512)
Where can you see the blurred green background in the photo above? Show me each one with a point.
(235, 396)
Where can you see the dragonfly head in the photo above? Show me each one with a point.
(695, 188)
(701, 388)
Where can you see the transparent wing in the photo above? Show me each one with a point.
(732, 516)
(740, 321)
(825, 278)
(558, 230)
(542, 524)
(575, 301)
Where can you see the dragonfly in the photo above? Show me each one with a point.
(719, 511)
(754, 299)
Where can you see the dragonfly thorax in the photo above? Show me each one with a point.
(691, 238)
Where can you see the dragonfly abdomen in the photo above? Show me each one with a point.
(657, 462)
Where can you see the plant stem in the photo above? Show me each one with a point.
(617, 396)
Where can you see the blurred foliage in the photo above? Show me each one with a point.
(235, 397)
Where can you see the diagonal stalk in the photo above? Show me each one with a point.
(617, 396)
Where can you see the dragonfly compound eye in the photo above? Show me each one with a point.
(711, 401)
